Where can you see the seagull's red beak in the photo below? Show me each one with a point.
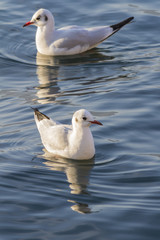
(28, 23)
(96, 122)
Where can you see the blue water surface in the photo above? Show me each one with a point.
(116, 195)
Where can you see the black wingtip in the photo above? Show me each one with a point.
(121, 24)
(40, 116)
(34, 109)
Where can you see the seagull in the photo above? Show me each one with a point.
(68, 40)
(69, 141)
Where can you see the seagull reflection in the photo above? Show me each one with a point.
(47, 76)
(77, 173)
(80, 207)
(49, 70)
(91, 56)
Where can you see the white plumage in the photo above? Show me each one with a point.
(70, 141)
(71, 39)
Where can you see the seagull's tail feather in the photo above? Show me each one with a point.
(40, 116)
(119, 25)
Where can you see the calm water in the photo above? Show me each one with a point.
(116, 196)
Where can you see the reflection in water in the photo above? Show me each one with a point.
(47, 76)
(80, 207)
(92, 56)
(48, 68)
(77, 173)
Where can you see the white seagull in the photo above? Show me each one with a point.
(69, 141)
(68, 40)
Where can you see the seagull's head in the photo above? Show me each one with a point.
(83, 118)
(41, 18)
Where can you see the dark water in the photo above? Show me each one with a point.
(117, 195)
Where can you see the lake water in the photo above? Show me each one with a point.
(115, 196)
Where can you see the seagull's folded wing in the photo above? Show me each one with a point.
(73, 37)
(53, 135)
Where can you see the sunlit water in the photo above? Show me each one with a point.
(117, 194)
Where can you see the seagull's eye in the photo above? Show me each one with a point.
(38, 18)
(46, 18)
(84, 118)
